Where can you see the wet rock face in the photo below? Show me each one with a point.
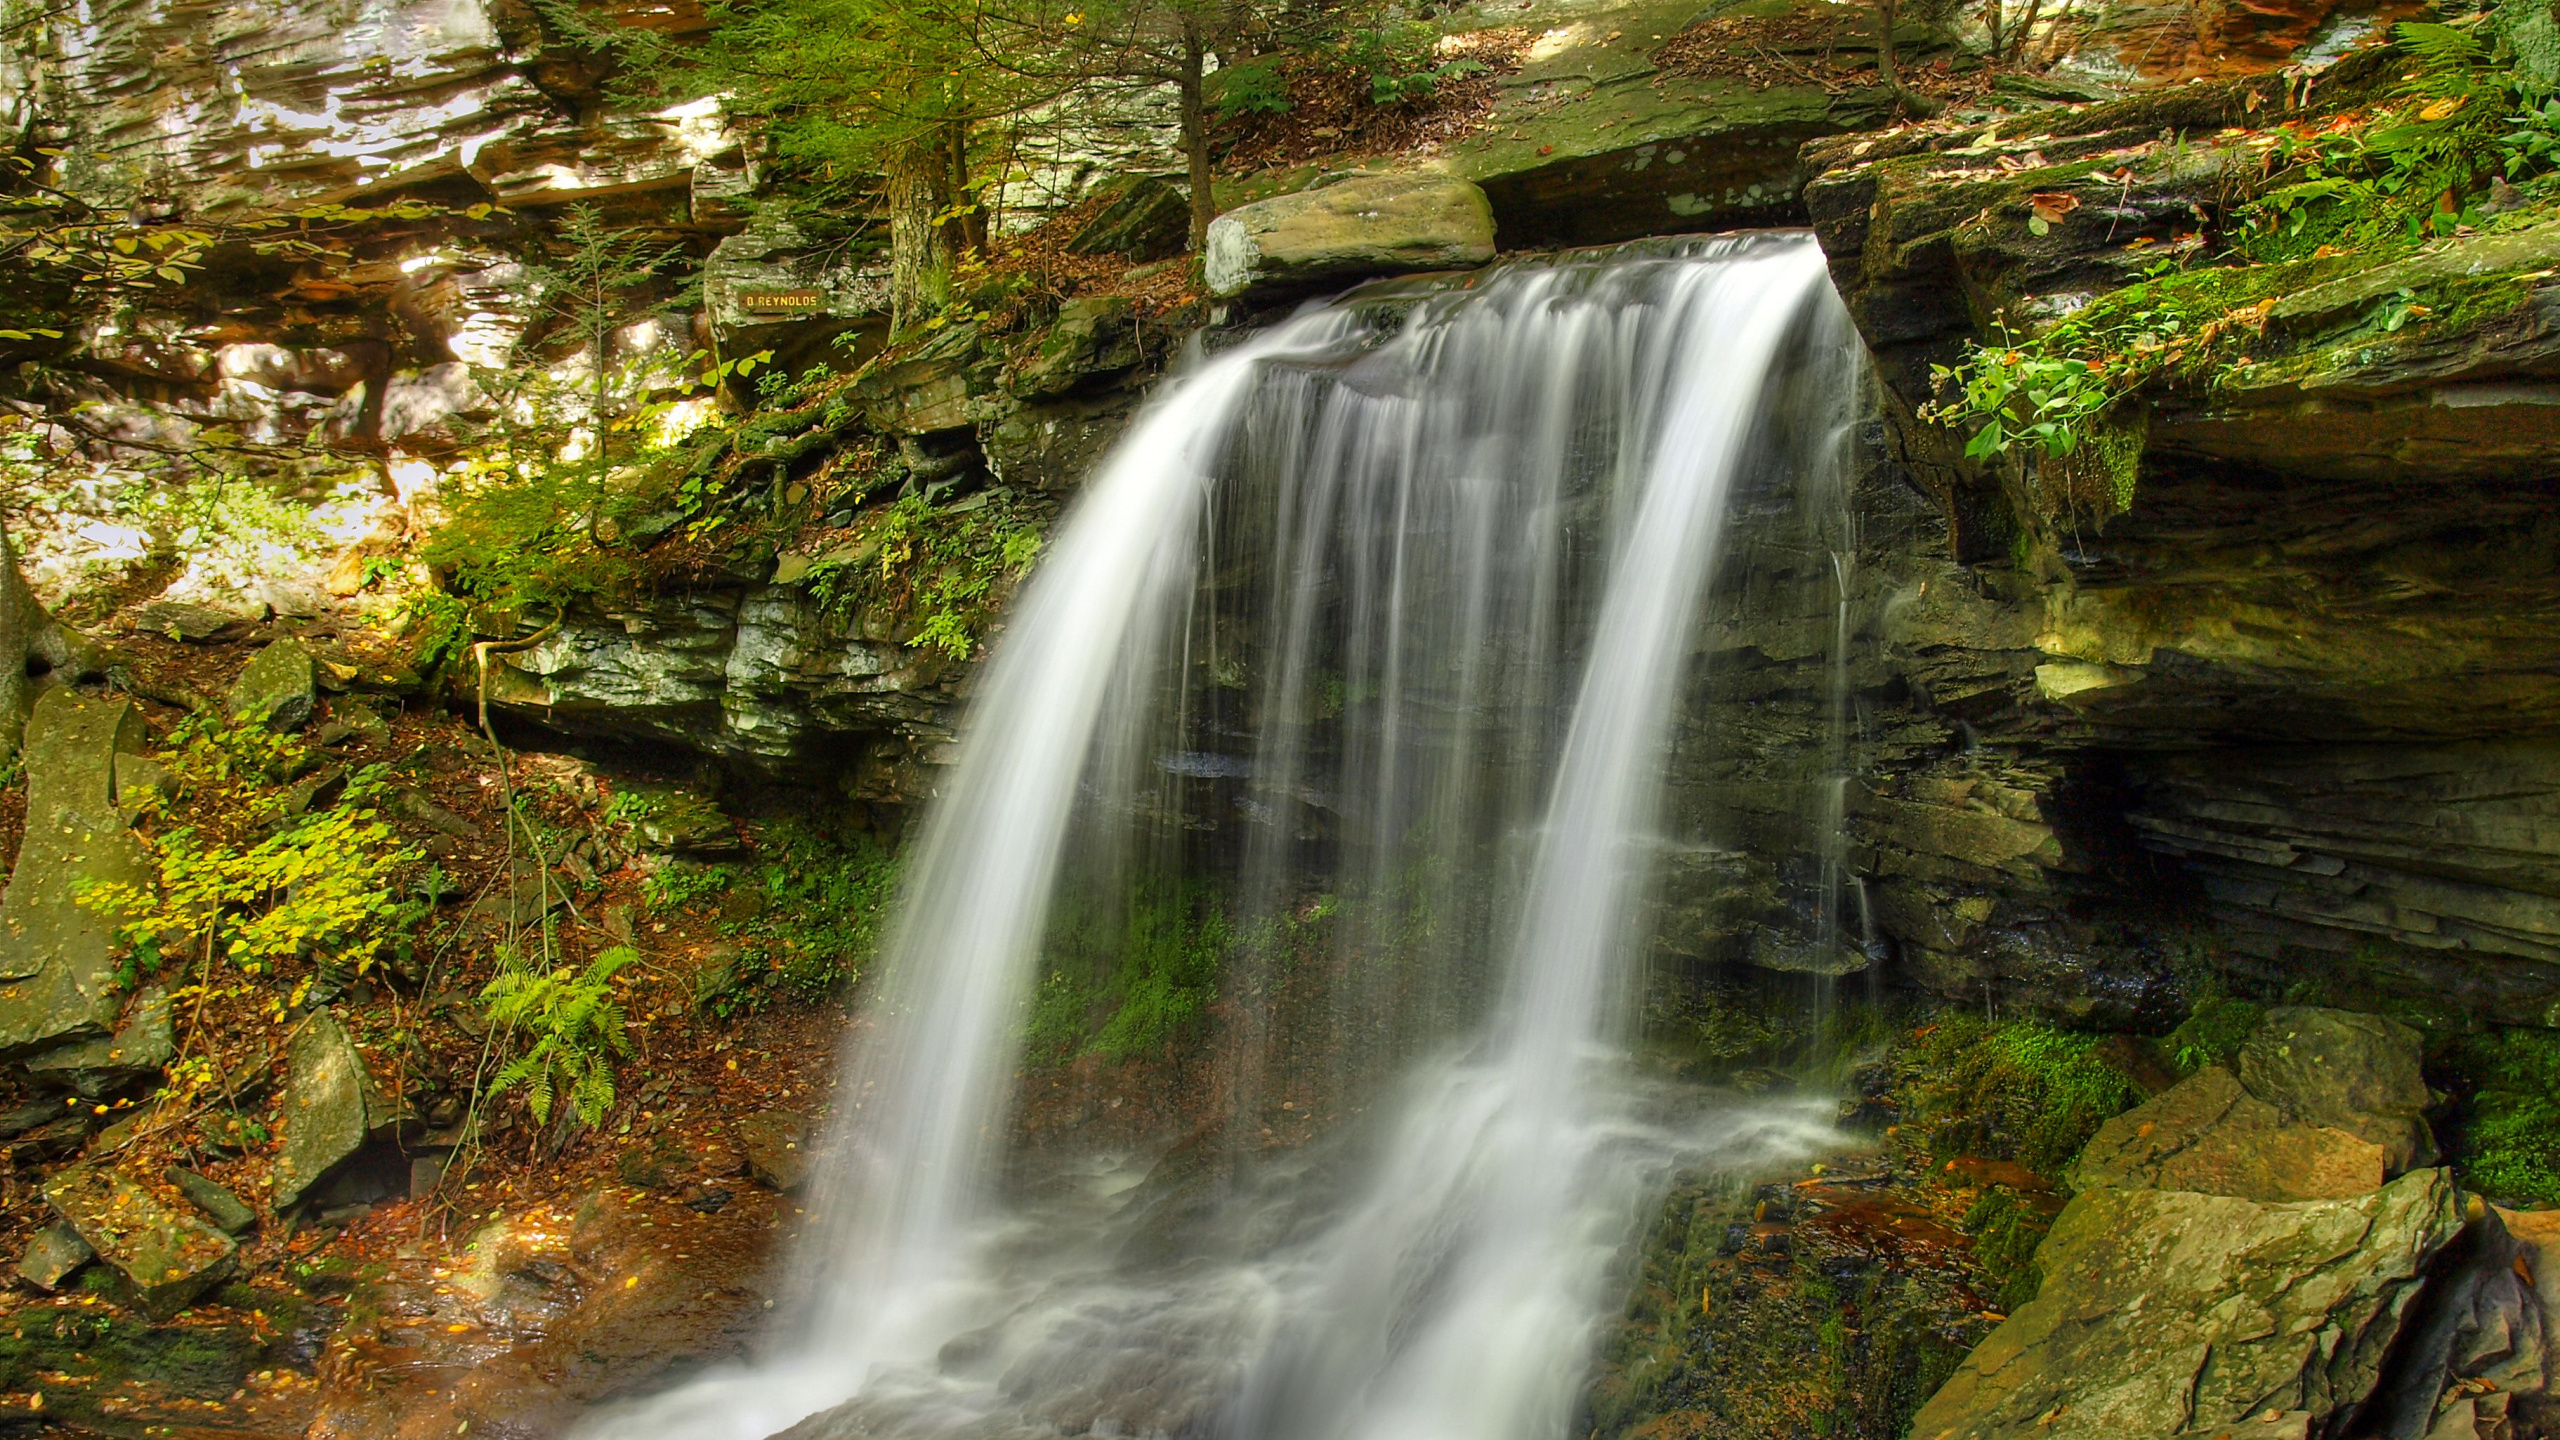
(557, 1315)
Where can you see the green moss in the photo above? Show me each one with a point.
(1125, 985)
(2006, 1230)
(807, 915)
(2212, 1033)
(2012, 1090)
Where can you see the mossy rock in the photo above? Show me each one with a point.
(279, 690)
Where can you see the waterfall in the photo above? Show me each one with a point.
(1372, 632)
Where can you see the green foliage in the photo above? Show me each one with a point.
(273, 884)
(1250, 87)
(2212, 1033)
(1130, 989)
(2025, 395)
(2509, 1145)
(2011, 1090)
(520, 537)
(2406, 171)
(681, 886)
(577, 1029)
(1399, 60)
(938, 567)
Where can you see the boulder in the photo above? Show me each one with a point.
(225, 1209)
(679, 822)
(166, 1255)
(2350, 1072)
(1148, 220)
(144, 1042)
(1091, 337)
(331, 1107)
(2326, 1106)
(2209, 1134)
(2170, 1312)
(1368, 225)
(776, 1145)
(57, 955)
(55, 1252)
(2481, 1338)
(279, 689)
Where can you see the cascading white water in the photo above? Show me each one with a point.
(1326, 620)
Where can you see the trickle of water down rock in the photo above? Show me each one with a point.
(1384, 614)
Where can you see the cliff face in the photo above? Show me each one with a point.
(2292, 710)
(2293, 705)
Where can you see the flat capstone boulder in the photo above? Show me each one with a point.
(1389, 224)
(279, 689)
(166, 1255)
(2348, 1071)
(2323, 1105)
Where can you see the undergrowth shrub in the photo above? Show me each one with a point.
(2509, 1143)
(262, 874)
(939, 567)
(576, 1028)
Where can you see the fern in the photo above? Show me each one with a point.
(578, 1031)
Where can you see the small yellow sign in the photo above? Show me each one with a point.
(781, 302)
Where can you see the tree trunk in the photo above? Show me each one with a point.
(1195, 133)
(1887, 11)
(920, 240)
(969, 226)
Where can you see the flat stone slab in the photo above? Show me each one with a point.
(2209, 1134)
(777, 1148)
(223, 1208)
(166, 1254)
(144, 1042)
(330, 1106)
(58, 956)
(56, 1251)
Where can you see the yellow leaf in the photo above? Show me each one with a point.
(2443, 109)
(125, 244)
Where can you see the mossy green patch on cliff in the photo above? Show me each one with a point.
(2008, 1090)
(1126, 980)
